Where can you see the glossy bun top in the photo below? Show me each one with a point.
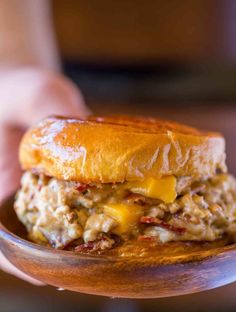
(120, 148)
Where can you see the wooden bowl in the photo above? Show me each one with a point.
(172, 270)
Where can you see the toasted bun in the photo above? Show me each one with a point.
(118, 148)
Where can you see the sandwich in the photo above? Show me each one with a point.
(92, 185)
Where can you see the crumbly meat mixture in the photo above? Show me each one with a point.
(72, 215)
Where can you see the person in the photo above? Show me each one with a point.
(31, 86)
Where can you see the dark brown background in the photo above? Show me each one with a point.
(129, 31)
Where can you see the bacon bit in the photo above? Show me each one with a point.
(85, 247)
(150, 220)
(82, 187)
(146, 238)
(163, 224)
(98, 245)
(136, 198)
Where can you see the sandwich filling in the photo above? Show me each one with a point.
(95, 217)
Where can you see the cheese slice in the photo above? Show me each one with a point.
(127, 216)
(163, 188)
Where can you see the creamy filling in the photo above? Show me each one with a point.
(98, 216)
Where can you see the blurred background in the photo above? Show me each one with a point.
(165, 58)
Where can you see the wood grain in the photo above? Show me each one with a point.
(134, 276)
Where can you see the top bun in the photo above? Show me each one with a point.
(120, 148)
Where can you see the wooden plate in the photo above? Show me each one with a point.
(138, 272)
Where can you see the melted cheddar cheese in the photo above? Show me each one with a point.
(163, 188)
(127, 216)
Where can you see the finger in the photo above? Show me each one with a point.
(9, 165)
(36, 93)
(6, 266)
(9, 180)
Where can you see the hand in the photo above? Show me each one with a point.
(28, 95)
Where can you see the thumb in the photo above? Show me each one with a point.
(37, 93)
